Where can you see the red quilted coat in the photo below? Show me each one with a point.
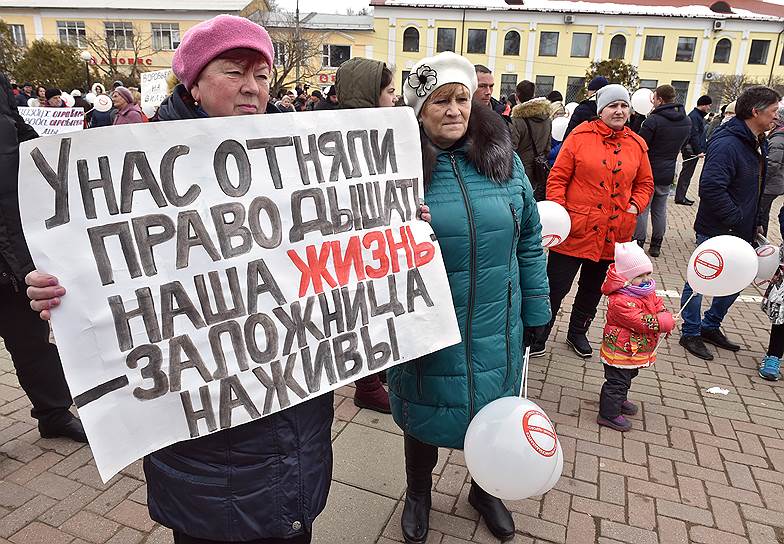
(598, 173)
(633, 326)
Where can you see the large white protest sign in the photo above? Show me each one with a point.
(49, 121)
(154, 87)
(220, 270)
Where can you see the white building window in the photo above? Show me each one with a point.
(71, 33)
(280, 53)
(18, 35)
(119, 35)
(335, 55)
(165, 36)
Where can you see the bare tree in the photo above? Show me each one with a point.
(298, 48)
(726, 88)
(115, 46)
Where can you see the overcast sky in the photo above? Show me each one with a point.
(324, 6)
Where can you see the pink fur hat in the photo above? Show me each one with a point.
(209, 39)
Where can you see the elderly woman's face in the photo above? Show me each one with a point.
(445, 117)
(615, 114)
(118, 101)
(232, 87)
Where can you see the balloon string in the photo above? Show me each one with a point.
(524, 384)
(675, 317)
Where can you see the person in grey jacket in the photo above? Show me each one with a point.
(774, 183)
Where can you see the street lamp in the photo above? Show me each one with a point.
(86, 57)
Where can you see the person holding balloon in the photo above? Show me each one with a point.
(636, 316)
(485, 217)
(603, 178)
(773, 306)
(732, 181)
(665, 131)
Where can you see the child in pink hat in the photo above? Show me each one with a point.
(636, 317)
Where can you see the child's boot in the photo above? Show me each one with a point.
(769, 369)
(619, 423)
(628, 408)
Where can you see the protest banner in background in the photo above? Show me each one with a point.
(48, 121)
(220, 270)
(154, 88)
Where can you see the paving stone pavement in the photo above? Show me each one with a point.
(697, 467)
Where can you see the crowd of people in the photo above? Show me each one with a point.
(485, 165)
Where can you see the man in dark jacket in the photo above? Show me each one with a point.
(586, 110)
(26, 337)
(665, 131)
(25, 95)
(694, 149)
(732, 181)
(531, 129)
(328, 103)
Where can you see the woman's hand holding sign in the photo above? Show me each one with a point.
(44, 292)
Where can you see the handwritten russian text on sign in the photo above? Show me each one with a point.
(221, 270)
(49, 121)
(154, 87)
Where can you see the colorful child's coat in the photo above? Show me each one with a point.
(634, 323)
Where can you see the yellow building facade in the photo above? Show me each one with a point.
(554, 45)
(146, 32)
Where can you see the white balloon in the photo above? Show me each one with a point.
(511, 449)
(722, 265)
(570, 107)
(556, 223)
(68, 99)
(642, 101)
(33, 103)
(556, 473)
(767, 262)
(149, 110)
(89, 97)
(559, 128)
(102, 103)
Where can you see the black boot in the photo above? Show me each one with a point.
(421, 458)
(655, 248)
(67, 426)
(416, 517)
(497, 518)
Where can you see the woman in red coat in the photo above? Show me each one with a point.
(603, 178)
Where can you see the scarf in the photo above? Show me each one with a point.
(640, 291)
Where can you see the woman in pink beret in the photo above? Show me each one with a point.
(266, 481)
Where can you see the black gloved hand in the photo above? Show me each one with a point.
(531, 334)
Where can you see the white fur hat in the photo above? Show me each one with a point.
(430, 73)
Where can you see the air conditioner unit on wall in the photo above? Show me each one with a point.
(718, 25)
(709, 76)
(568, 19)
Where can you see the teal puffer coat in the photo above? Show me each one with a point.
(487, 223)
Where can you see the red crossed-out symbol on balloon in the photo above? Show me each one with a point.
(766, 251)
(708, 264)
(550, 240)
(535, 434)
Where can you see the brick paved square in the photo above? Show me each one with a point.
(696, 467)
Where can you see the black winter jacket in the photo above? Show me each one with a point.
(15, 260)
(665, 131)
(265, 479)
(585, 111)
(697, 142)
(733, 178)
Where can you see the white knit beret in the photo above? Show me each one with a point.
(430, 73)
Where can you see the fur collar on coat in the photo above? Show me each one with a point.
(487, 145)
(536, 107)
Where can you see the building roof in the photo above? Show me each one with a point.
(218, 6)
(315, 21)
(730, 9)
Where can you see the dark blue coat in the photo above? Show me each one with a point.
(732, 181)
(697, 142)
(266, 479)
(665, 131)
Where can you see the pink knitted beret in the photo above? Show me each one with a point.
(209, 39)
